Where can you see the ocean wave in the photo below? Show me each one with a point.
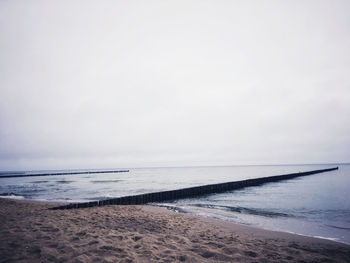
(244, 210)
(104, 181)
(11, 195)
(64, 182)
(329, 238)
(170, 207)
(339, 227)
(30, 191)
(39, 182)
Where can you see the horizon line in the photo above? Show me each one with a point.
(184, 166)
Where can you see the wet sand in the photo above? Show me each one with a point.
(29, 232)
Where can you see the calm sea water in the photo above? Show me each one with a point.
(316, 205)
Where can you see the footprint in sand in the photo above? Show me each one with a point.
(34, 250)
(75, 239)
(82, 233)
(250, 254)
(182, 258)
(111, 248)
(136, 238)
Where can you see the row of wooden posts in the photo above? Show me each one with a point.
(189, 192)
(61, 173)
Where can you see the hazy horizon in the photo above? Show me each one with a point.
(180, 166)
(112, 84)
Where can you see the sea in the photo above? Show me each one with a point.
(317, 205)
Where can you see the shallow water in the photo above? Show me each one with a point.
(315, 205)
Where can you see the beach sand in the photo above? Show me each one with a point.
(29, 232)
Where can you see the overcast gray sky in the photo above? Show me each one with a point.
(102, 84)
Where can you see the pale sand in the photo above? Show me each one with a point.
(29, 232)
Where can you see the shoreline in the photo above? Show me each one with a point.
(165, 208)
(253, 228)
(249, 229)
(31, 232)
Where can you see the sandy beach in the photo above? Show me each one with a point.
(29, 232)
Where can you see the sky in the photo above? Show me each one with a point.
(112, 84)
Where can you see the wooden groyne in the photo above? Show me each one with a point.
(61, 173)
(191, 191)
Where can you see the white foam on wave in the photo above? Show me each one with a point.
(321, 237)
(329, 238)
(12, 196)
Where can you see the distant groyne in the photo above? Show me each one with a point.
(191, 191)
(60, 173)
